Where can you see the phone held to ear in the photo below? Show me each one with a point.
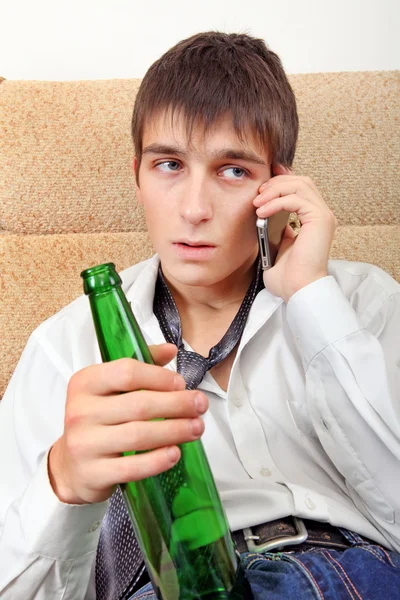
(270, 233)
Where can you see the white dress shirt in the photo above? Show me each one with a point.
(309, 426)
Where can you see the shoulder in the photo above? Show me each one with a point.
(70, 334)
(79, 308)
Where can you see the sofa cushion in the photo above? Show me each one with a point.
(41, 273)
(66, 151)
(66, 157)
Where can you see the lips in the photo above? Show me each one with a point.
(197, 250)
(195, 244)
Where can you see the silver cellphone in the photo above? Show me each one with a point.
(263, 242)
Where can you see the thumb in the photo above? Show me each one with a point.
(163, 353)
(287, 242)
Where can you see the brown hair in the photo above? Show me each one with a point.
(211, 74)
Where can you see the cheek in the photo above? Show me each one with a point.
(242, 227)
(245, 213)
(240, 205)
(154, 213)
(156, 197)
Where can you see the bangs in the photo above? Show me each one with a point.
(212, 75)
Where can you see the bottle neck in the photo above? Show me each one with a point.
(100, 278)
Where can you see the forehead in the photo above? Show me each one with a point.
(175, 129)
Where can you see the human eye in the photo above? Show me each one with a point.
(235, 173)
(168, 166)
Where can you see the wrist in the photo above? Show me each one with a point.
(57, 477)
(303, 284)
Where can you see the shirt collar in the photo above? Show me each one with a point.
(141, 292)
(141, 296)
(264, 305)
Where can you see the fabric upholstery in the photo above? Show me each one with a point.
(67, 197)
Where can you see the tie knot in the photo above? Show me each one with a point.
(192, 367)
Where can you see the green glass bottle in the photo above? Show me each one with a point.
(177, 516)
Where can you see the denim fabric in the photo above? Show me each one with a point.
(362, 572)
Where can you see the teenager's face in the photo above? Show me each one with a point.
(198, 199)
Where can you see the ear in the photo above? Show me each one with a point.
(281, 170)
(136, 179)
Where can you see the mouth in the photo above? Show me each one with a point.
(194, 244)
(197, 250)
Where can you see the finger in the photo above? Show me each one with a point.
(306, 211)
(287, 242)
(298, 182)
(124, 375)
(282, 170)
(274, 180)
(123, 469)
(145, 405)
(163, 353)
(142, 435)
(288, 233)
(285, 188)
(291, 203)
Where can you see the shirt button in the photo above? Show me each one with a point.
(265, 472)
(237, 402)
(310, 504)
(94, 526)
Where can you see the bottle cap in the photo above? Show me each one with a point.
(100, 278)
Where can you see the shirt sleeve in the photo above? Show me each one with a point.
(46, 547)
(352, 367)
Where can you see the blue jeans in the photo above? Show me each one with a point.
(361, 572)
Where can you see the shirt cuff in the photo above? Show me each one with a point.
(54, 529)
(319, 315)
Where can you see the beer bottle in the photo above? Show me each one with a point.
(177, 516)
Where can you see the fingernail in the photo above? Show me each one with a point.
(196, 426)
(173, 454)
(179, 383)
(200, 403)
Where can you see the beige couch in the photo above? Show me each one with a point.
(67, 196)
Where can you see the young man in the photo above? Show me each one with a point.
(299, 419)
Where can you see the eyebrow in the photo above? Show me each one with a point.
(226, 153)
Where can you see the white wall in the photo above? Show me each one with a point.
(100, 39)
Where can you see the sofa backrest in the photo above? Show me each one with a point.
(67, 197)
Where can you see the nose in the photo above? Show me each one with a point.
(196, 203)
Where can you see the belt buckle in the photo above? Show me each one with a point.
(290, 540)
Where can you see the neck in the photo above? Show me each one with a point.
(197, 300)
(206, 312)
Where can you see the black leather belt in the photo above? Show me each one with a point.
(290, 533)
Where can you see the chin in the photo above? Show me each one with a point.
(195, 274)
(198, 274)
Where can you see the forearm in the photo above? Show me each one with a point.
(351, 418)
(351, 385)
